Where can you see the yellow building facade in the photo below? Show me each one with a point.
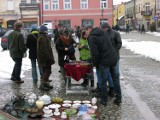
(119, 13)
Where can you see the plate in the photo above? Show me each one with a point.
(76, 105)
(46, 115)
(66, 105)
(86, 101)
(57, 113)
(76, 101)
(53, 106)
(47, 102)
(67, 101)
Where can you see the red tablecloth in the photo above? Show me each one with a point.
(76, 71)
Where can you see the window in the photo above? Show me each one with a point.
(23, 1)
(55, 4)
(87, 22)
(67, 4)
(84, 4)
(46, 5)
(33, 1)
(147, 7)
(104, 4)
(10, 5)
(66, 23)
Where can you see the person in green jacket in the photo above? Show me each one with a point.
(17, 48)
(85, 55)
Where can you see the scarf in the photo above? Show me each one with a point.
(65, 41)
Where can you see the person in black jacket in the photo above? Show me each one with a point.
(65, 46)
(103, 55)
(114, 70)
(32, 46)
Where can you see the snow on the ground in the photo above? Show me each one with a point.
(154, 33)
(148, 49)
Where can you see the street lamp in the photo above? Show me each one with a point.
(102, 13)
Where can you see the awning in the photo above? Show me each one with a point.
(29, 19)
(120, 17)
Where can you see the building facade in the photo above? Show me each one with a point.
(77, 12)
(119, 14)
(27, 11)
(129, 13)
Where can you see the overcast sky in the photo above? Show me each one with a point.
(115, 2)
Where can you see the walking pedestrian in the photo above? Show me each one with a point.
(127, 28)
(103, 55)
(17, 49)
(32, 46)
(45, 57)
(143, 29)
(114, 70)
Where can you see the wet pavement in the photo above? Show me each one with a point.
(140, 83)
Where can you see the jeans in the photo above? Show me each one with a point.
(17, 68)
(104, 73)
(34, 70)
(99, 79)
(116, 80)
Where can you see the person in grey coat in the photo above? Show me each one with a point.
(17, 49)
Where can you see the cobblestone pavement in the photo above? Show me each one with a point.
(139, 81)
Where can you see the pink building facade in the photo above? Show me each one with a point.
(72, 13)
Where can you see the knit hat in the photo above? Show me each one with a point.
(33, 27)
(43, 28)
(105, 25)
(18, 24)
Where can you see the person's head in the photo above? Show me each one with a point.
(83, 34)
(33, 27)
(105, 26)
(43, 29)
(60, 26)
(88, 29)
(18, 25)
(66, 34)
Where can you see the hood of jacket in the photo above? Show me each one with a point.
(96, 32)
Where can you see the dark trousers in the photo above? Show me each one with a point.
(17, 68)
(46, 73)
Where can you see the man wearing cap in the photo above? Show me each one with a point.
(103, 55)
(32, 46)
(45, 57)
(117, 43)
(17, 48)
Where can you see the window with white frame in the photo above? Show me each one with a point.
(103, 3)
(147, 7)
(46, 5)
(67, 4)
(23, 1)
(10, 5)
(84, 4)
(55, 4)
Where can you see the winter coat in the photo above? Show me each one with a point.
(44, 51)
(32, 44)
(85, 51)
(115, 39)
(60, 47)
(102, 50)
(16, 44)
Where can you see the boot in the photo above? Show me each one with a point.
(47, 85)
(111, 92)
(95, 90)
(43, 87)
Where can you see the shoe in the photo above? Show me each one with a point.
(49, 80)
(48, 85)
(92, 83)
(111, 93)
(19, 81)
(85, 83)
(43, 88)
(103, 102)
(12, 78)
(59, 71)
(117, 101)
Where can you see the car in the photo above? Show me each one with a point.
(4, 39)
(2, 31)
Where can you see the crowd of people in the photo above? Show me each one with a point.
(99, 45)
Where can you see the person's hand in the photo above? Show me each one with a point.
(74, 45)
(66, 49)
